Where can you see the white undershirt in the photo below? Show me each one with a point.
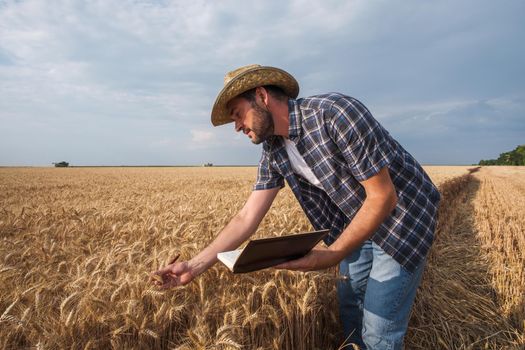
(298, 164)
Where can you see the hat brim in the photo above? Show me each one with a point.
(252, 78)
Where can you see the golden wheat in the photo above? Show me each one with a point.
(77, 245)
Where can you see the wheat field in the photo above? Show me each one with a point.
(77, 244)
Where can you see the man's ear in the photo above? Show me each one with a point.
(262, 93)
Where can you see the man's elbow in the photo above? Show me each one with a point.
(386, 200)
(392, 200)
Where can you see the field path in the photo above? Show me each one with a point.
(500, 221)
(470, 296)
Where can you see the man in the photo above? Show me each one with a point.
(350, 176)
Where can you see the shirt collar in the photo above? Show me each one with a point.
(294, 118)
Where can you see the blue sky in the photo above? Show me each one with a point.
(114, 82)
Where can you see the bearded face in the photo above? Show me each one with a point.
(263, 125)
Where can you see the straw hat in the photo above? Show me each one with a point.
(245, 78)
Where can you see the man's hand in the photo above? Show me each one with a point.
(173, 275)
(317, 259)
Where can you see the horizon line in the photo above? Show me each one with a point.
(179, 166)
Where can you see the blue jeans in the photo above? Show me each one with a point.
(375, 298)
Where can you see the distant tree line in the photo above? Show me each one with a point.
(515, 157)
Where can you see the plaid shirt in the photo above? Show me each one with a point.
(343, 144)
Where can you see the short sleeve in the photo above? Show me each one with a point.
(267, 176)
(366, 146)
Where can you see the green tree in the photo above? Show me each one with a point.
(514, 157)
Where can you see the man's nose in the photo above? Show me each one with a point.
(238, 125)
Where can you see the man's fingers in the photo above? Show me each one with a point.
(301, 264)
(163, 271)
(290, 265)
(168, 285)
(154, 277)
(173, 275)
(171, 268)
(172, 281)
(160, 277)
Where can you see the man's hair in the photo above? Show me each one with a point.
(273, 90)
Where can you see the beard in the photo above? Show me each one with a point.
(263, 126)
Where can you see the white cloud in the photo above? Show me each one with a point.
(153, 68)
(201, 136)
(202, 139)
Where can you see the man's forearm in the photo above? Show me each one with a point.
(242, 226)
(368, 218)
(231, 236)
